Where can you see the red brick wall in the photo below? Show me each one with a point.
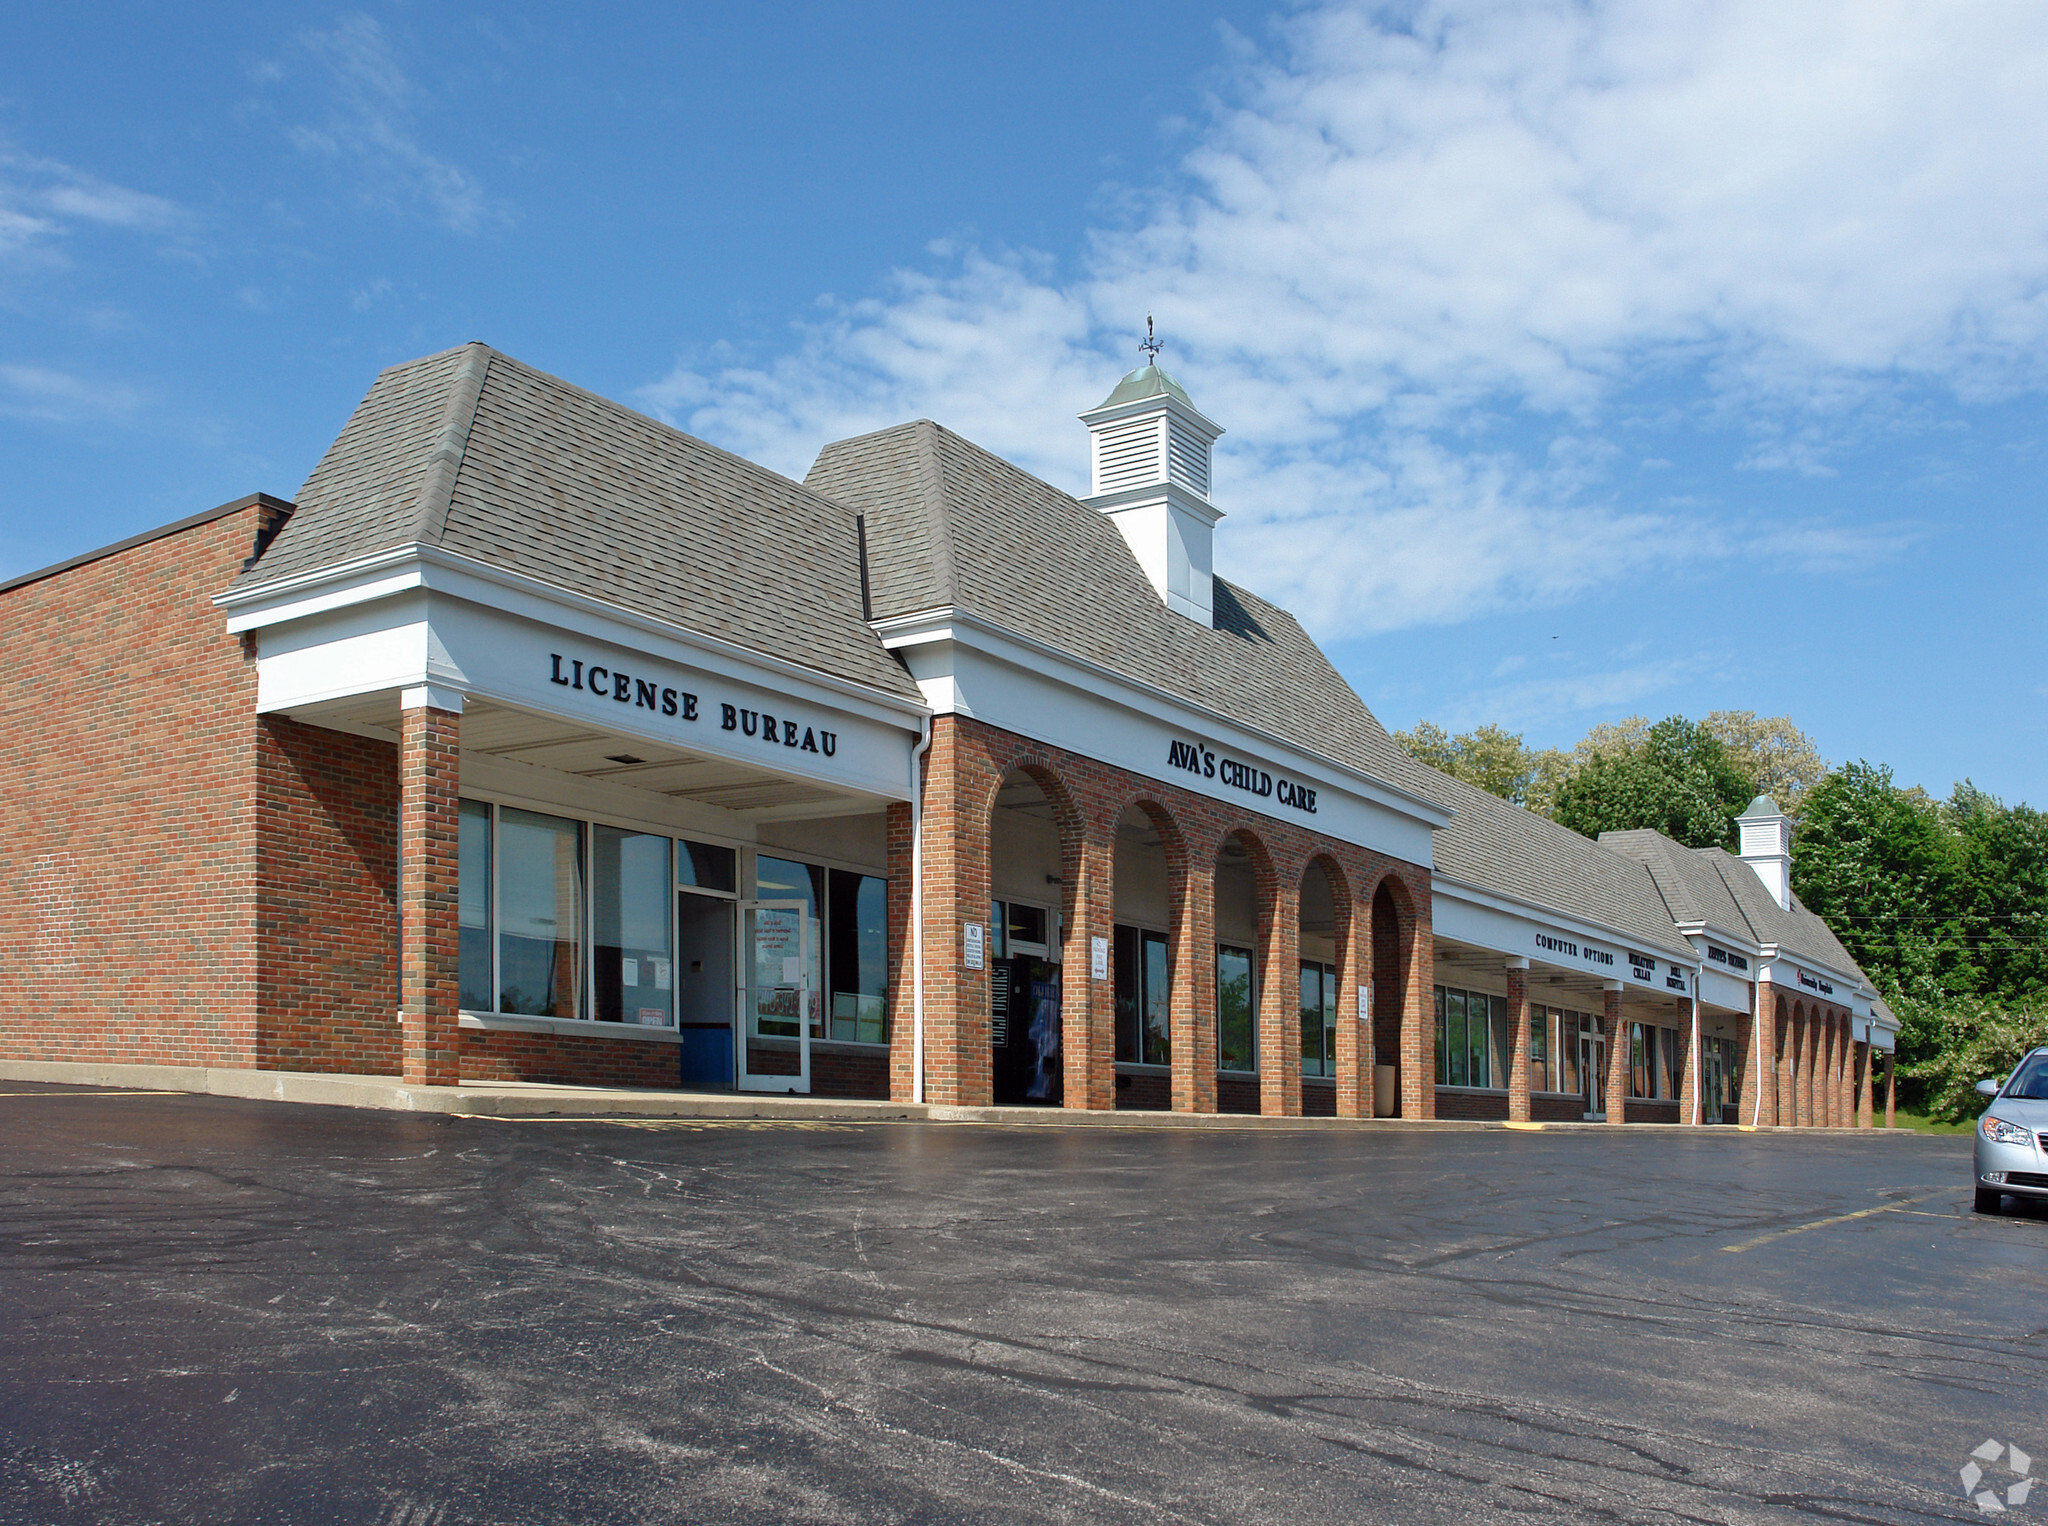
(1484, 1105)
(967, 764)
(326, 900)
(127, 821)
(493, 1055)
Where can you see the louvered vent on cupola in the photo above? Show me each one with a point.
(1150, 473)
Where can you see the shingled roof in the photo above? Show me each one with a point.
(1499, 846)
(476, 454)
(950, 525)
(1714, 887)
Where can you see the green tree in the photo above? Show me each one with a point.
(2004, 894)
(1491, 757)
(1962, 1041)
(1878, 863)
(1779, 757)
(1679, 780)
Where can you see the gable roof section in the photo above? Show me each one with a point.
(1714, 887)
(472, 452)
(1691, 886)
(1498, 846)
(1795, 930)
(950, 525)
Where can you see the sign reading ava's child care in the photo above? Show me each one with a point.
(612, 683)
(1204, 763)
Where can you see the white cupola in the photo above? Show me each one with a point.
(1150, 473)
(1767, 846)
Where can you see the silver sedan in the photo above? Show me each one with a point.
(2010, 1156)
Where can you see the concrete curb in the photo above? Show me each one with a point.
(534, 1100)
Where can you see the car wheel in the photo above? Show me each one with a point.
(1990, 1200)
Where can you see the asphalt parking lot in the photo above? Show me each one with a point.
(218, 1310)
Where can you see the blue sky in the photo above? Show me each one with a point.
(1577, 360)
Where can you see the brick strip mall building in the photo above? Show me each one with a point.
(540, 741)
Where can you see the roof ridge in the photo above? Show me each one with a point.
(444, 462)
(938, 522)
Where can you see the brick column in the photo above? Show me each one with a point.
(1280, 1002)
(1418, 1019)
(1891, 1090)
(1088, 1005)
(1787, 1056)
(1864, 1055)
(1354, 1011)
(902, 989)
(1803, 1075)
(1692, 1102)
(1518, 1041)
(1830, 1112)
(429, 856)
(958, 1066)
(1617, 1055)
(1192, 1010)
(1850, 1072)
(1759, 1083)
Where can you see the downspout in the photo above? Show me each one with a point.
(1698, 969)
(917, 756)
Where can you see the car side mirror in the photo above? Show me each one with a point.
(1987, 1088)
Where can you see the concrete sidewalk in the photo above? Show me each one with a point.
(532, 1099)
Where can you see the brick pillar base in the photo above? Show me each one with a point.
(1192, 1005)
(429, 853)
(1280, 1003)
(1518, 1041)
(1354, 1010)
(1088, 1003)
(1617, 1058)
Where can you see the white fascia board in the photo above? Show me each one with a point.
(389, 572)
(1783, 971)
(961, 630)
(1170, 493)
(1731, 993)
(1742, 944)
(1473, 914)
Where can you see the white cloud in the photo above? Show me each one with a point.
(372, 126)
(62, 397)
(42, 201)
(1403, 239)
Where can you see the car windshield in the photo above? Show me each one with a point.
(2029, 1082)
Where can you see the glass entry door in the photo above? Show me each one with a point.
(776, 999)
(1593, 1066)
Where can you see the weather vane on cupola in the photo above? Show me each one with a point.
(1150, 343)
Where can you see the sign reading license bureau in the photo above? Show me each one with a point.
(1203, 762)
(623, 688)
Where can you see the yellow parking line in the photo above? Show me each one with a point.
(1840, 1218)
(94, 1094)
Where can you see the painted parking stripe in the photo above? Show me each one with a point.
(1840, 1218)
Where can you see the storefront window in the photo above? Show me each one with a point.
(1472, 1039)
(1318, 1019)
(849, 947)
(1540, 1030)
(857, 956)
(780, 879)
(1674, 1061)
(473, 906)
(1642, 1061)
(632, 963)
(706, 866)
(540, 918)
(1142, 1032)
(1237, 1046)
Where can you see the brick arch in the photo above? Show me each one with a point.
(1181, 942)
(1402, 978)
(1347, 1085)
